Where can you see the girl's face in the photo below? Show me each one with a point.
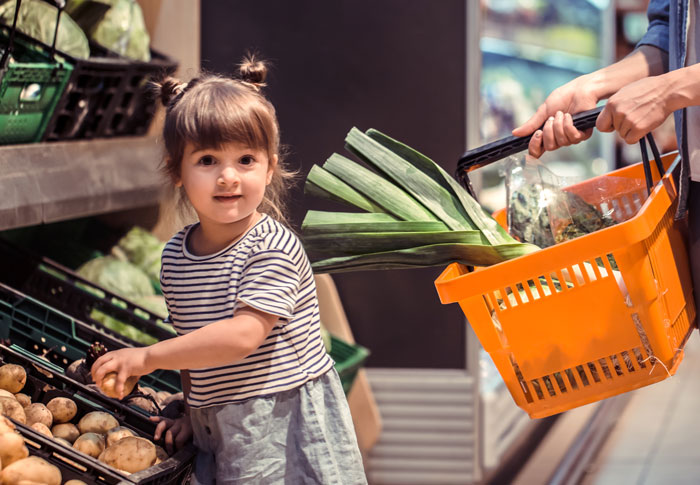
(225, 185)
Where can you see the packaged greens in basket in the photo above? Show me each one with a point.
(541, 211)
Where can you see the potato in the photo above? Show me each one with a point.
(12, 448)
(90, 443)
(23, 399)
(131, 454)
(62, 409)
(31, 470)
(42, 428)
(109, 381)
(6, 426)
(5, 393)
(143, 403)
(38, 413)
(75, 482)
(64, 442)
(12, 378)
(12, 409)
(67, 431)
(162, 396)
(115, 434)
(161, 454)
(97, 422)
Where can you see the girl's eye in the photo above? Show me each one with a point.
(247, 160)
(206, 160)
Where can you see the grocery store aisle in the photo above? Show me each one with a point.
(656, 439)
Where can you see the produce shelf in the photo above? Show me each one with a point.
(48, 182)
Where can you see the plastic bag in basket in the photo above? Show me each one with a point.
(541, 212)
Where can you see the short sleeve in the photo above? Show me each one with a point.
(658, 30)
(270, 283)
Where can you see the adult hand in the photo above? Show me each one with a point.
(177, 432)
(125, 362)
(636, 109)
(555, 114)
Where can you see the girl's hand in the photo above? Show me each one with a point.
(177, 432)
(125, 362)
(636, 109)
(555, 114)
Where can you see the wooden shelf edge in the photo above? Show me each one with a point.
(48, 182)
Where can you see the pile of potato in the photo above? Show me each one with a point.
(96, 434)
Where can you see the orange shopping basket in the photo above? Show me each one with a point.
(592, 317)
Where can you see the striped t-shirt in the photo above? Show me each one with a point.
(266, 269)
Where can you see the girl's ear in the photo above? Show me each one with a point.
(271, 169)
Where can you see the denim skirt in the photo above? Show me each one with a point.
(302, 436)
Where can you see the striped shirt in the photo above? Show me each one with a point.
(266, 269)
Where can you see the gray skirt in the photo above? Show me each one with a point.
(301, 436)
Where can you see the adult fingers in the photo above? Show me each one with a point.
(535, 147)
(604, 122)
(549, 141)
(571, 133)
(558, 130)
(101, 367)
(533, 123)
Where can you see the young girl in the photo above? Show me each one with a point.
(264, 401)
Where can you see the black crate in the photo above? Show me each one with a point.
(44, 383)
(106, 96)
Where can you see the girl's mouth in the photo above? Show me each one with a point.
(227, 198)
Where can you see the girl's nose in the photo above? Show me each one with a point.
(227, 176)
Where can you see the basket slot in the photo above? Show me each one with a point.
(593, 267)
(505, 300)
(628, 361)
(582, 375)
(626, 204)
(578, 274)
(523, 383)
(572, 379)
(640, 358)
(560, 382)
(551, 284)
(616, 366)
(605, 368)
(549, 386)
(534, 290)
(519, 297)
(594, 372)
(525, 294)
(538, 389)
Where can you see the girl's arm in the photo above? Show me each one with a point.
(218, 343)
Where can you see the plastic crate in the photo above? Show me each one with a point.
(107, 96)
(606, 331)
(64, 290)
(43, 384)
(348, 358)
(30, 87)
(38, 328)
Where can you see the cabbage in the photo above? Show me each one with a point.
(37, 19)
(116, 25)
(143, 249)
(119, 277)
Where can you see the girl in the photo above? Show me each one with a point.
(264, 401)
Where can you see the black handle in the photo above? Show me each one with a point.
(492, 152)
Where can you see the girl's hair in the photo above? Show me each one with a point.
(212, 110)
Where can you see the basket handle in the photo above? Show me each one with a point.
(645, 161)
(11, 42)
(492, 152)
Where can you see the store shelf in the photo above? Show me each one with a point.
(48, 182)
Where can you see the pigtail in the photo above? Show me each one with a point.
(169, 89)
(252, 72)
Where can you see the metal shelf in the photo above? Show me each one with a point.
(48, 182)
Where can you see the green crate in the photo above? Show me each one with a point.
(348, 358)
(30, 87)
(40, 329)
